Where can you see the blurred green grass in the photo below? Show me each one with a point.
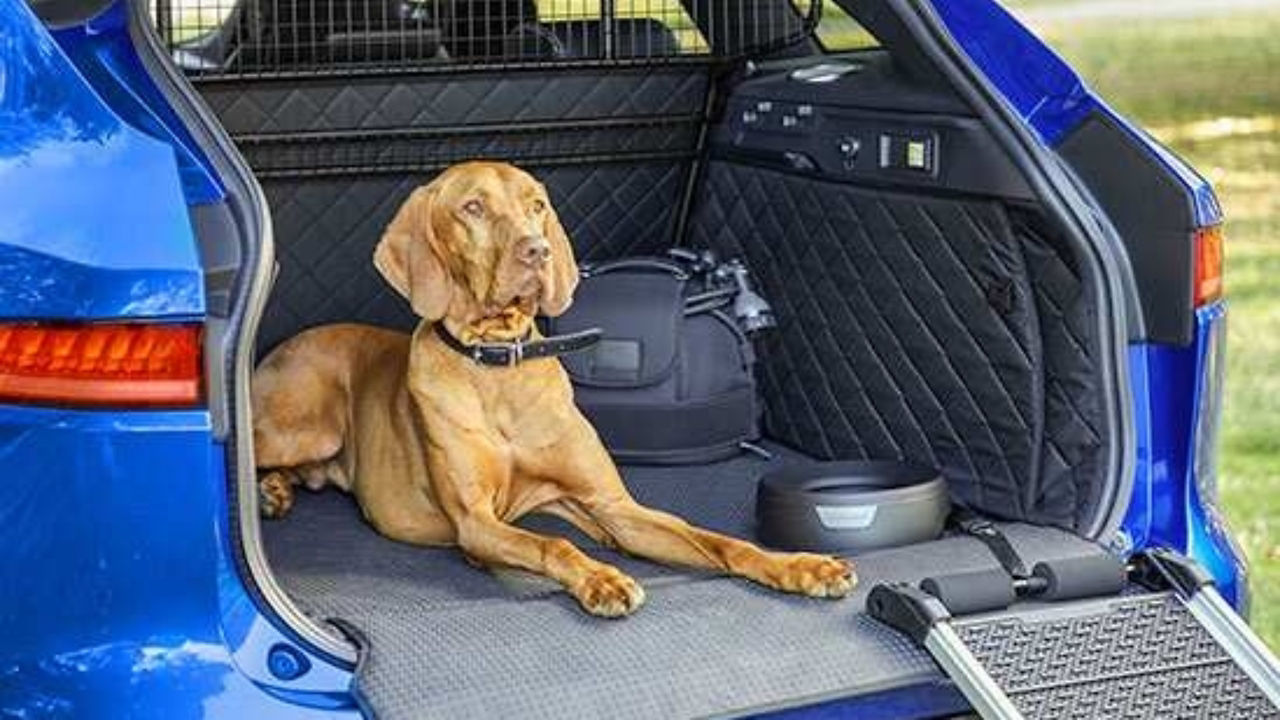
(1209, 88)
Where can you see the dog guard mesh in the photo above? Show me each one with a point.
(239, 38)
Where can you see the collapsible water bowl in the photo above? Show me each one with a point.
(850, 506)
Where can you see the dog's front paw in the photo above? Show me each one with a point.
(817, 575)
(608, 593)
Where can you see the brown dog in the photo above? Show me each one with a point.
(440, 450)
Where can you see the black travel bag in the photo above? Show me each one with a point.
(672, 379)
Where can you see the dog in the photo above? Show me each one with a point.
(442, 450)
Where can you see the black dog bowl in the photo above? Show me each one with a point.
(850, 506)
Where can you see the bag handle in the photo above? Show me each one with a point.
(638, 263)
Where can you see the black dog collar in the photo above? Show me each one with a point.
(510, 354)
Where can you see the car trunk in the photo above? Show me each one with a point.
(929, 314)
(448, 640)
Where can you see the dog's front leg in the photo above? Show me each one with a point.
(468, 474)
(666, 538)
(601, 589)
(595, 484)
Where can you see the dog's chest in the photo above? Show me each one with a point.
(531, 412)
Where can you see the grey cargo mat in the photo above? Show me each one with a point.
(447, 640)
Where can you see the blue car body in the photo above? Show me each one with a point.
(119, 591)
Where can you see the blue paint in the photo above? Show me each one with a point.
(1172, 387)
(925, 700)
(112, 603)
(1046, 93)
(83, 195)
(1138, 519)
(119, 594)
(105, 55)
(38, 285)
(1040, 86)
(1167, 509)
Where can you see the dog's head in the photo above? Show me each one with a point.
(481, 240)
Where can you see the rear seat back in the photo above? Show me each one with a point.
(632, 38)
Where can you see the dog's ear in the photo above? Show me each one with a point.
(408, 256)
(561, 277)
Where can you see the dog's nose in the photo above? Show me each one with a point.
(533, 250)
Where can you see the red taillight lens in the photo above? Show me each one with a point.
(1208, 265)
(126, 365)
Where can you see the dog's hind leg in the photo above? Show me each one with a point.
(298, 428)
(406, 515)
(326, 472)
(282, 464)
(275, 493)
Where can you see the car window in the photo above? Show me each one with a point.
(634, 17)
(59, 13)
(837, 31)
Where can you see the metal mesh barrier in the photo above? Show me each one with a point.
(237, 38)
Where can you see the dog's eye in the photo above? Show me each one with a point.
(539, 207)
(474, 208)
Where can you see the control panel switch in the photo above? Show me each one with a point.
(914, 153)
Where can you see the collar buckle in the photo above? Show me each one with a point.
(498, 354)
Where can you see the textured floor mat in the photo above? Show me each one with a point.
(447, 640)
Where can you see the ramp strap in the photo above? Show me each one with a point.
(986, 531)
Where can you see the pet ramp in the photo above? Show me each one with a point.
(1159, 643)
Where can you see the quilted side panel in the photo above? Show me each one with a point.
(326, 229)
(1073, 455)
(907, 327)
(324, 104)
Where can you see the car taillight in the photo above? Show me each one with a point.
(100, 364)
(1208, 264)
